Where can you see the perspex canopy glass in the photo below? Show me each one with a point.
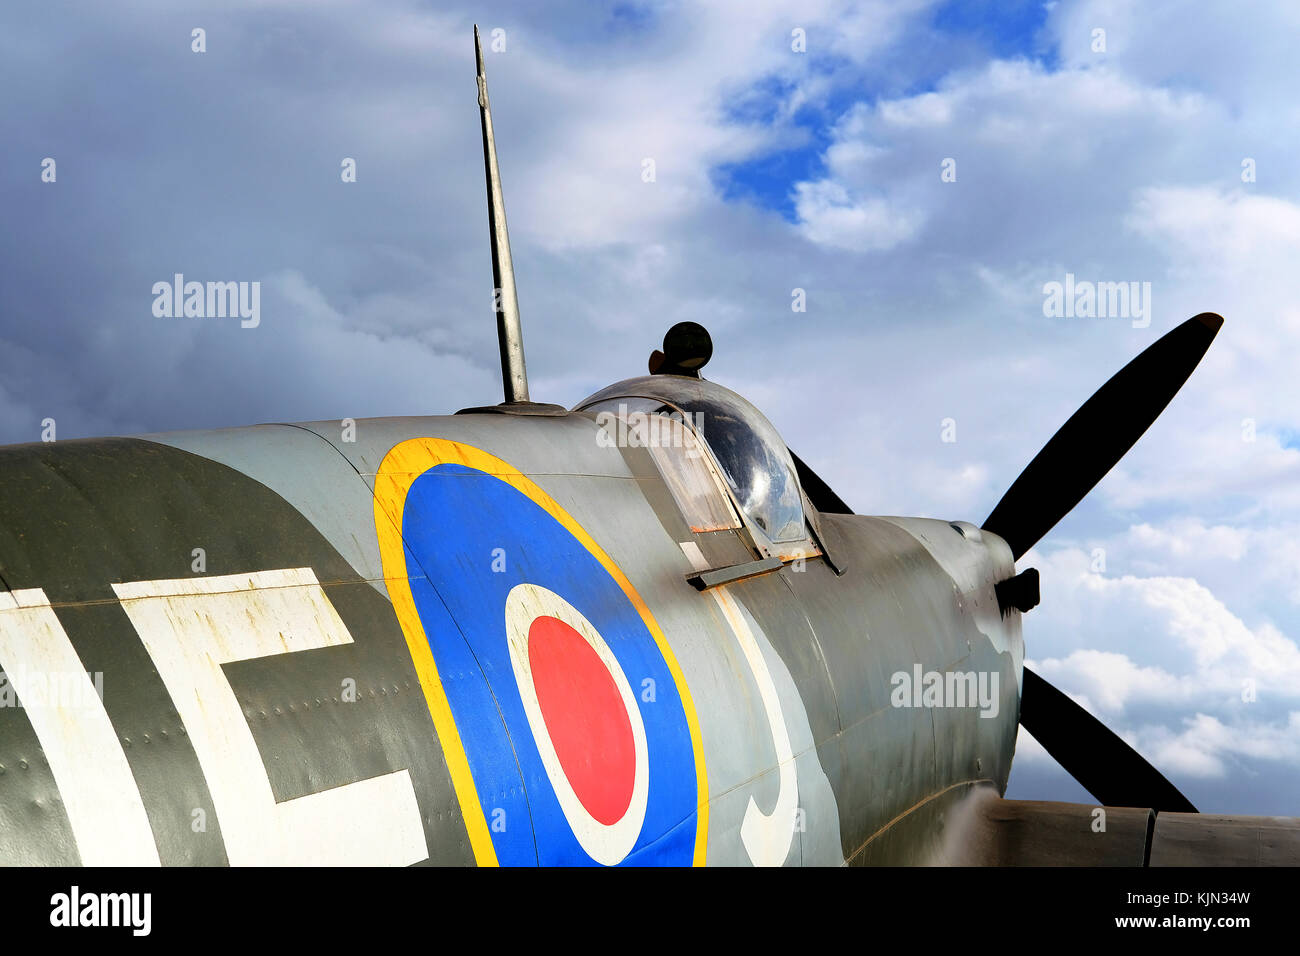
(747, 448)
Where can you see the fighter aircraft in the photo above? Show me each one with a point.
(639, 631)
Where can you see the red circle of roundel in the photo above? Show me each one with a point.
(585, 717)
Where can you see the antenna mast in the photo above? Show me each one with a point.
(510, 334)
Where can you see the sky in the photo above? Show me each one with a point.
(921, 170)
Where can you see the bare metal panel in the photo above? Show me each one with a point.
(984, 830)
(1213, 839)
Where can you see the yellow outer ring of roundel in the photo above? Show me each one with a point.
(403, 464)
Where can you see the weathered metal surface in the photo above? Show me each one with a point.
(78, 518)
(308, 472)
(1211, 839)
(754, 668)
(716, 577)
(984, 830)
(509, 332)
(275, 690)
(917, 835)
(536, 446)
(895, 610)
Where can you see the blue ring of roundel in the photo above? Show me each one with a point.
(458, 524)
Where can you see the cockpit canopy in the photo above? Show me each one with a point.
(747, 448)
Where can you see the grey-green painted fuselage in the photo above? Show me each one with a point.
(873, 765)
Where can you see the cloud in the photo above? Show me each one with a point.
(827, 216)
(1112, 679)
(1185, 536)
(1206, 747)
(1211, 701)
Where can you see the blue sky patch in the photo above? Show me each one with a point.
(1006, 29)
(959, 33)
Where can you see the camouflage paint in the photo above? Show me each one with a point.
(79, 517)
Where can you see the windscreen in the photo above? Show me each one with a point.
(749, 452)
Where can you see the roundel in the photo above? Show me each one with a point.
(564, 719)
(584, 719)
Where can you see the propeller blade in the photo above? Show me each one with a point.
(1099, 434)
(819, 493)
(1108, 768)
